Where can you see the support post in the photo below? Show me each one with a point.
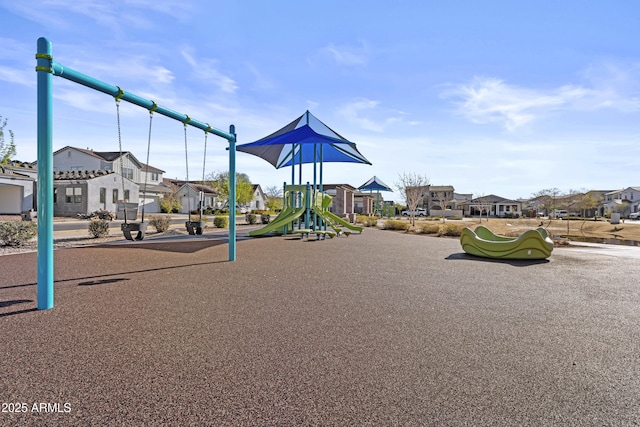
(232, 193)
(45, 175)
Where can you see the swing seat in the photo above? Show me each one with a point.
(129, 227)
(194, 227)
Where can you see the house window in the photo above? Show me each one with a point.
(103, 195)
(73, 194)
(154, 176)
(127, 173)
(115, 195)
(126, 195)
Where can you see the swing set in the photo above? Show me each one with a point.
(46, 68)
(193, 227)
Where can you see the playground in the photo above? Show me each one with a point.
(381, 328)
(305, 328)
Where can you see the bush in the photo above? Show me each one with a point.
(251, 218)
(221, 221)
(265, 218)
(170, 205)
(395, 224)
(367, 221)
(430, 228)
(98, 227)
(15, 233)
(453, 230)
(160, 223)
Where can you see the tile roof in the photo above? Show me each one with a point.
(83, 174)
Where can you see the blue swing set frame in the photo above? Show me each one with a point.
(46, 68)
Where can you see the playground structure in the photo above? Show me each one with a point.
(305, 212)
(380, 209)
(46, 68)
(532, 244)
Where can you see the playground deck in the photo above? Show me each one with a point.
(381, 328)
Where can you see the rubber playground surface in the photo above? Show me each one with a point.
(377, 329)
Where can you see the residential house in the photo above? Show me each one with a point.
(438, 196)
(17, 188)
(631, 195)
(624, 201)
(190, 195)
(363, 203)
(82, 191)
(152, 188)
(459, 199)
(492, 205)
(343, 200)
(125, 164)
(259, 200)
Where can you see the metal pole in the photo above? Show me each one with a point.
(45, 176)
(232, 193)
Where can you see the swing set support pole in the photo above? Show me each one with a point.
(46, 68)
(45, 177)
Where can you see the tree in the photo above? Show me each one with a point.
(547, 199)
(443, 200)
(412, 187)
(483, 204)
(274, 198)
(589, 201)
(7, 149)
(244, 188)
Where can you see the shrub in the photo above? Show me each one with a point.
(265, 218)
(169, 205)
(430, 228)
(395, 224)
(367, 221)
(15, 233)
(221, 221)
(251, 218)
(453, 230)
(160, 223)
(98, 227)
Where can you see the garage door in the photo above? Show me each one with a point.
(11, 199)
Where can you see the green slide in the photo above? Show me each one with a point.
(284, 218)
(333, 218)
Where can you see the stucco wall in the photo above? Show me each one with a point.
(91, 194)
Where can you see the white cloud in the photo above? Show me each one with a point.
(12, 75)
(364, 113)
(491, 100)
(207, 70)
(347, 56)
(113, 15)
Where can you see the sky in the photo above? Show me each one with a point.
(489, 96)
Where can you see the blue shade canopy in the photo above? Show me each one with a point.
(304, 140)
(375, 184)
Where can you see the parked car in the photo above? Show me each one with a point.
(559, 214)
(635, 215)
(417, 212)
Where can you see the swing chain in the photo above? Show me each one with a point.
(120, 149)
(146, 174)
(186, 158)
